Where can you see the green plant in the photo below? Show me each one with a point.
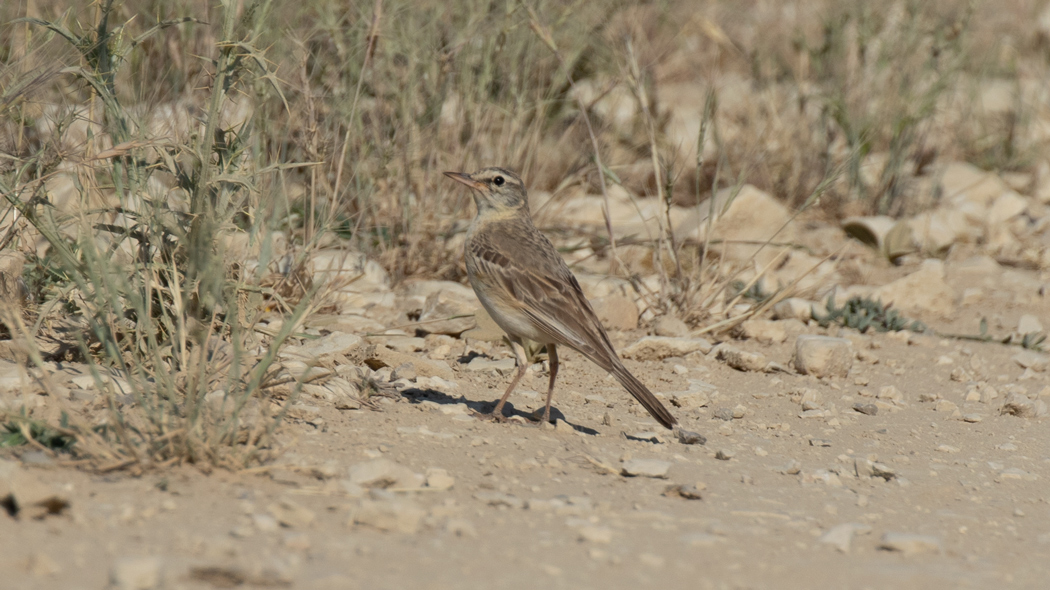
(863, 314)
(1033, 341)
(21, 430)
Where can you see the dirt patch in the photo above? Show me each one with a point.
(927, 483)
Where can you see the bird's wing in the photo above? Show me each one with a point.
(524, 265)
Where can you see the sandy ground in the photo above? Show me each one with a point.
(776, 498)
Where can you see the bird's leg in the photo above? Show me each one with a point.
(552, 357)
(523, 365)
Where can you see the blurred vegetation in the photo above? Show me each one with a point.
(382, 95)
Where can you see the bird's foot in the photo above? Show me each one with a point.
(541, 418)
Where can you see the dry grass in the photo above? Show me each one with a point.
(143, 172)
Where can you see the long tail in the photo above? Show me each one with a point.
(642, 394)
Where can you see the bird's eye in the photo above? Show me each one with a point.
(498, 181)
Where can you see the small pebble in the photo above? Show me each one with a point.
(291, 515)
(645, 468)
(499, 499)
(866, 409)
(683, 491)
(563, 427)
(841, 536)
(910, 544)
(883, 471)
(724, 454)
(136, 573)
(596, 534)
(439, 479)
(688, 437)
(1015, 473)
(461, 527)
(265, 523)
(724, 414)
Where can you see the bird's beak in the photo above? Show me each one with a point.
(466, 179)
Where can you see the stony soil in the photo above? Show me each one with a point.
(794, 488)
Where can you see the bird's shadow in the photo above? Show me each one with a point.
(415, 395)
(466, 358)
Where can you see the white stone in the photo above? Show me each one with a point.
(746, 215)
(32, 498)
(396, 515)
(616, 312)
(924, 290)
(764, 331)
(324, 347)
(688, 400)
(1019, 405)
(13, 377)
(890, 393)
(646, 468)
(1030, 359)
(1006, 206)
(499, 499)
(910, 544)
(136, 573)
(1029, 324)
(596, 534)
(292, 515)
(1015, 473)
(794, 308)
(348, 271)
(265, 523)
(669, 325)
(481, 364)
(382, 356)
(823, 356)
(841, 536)
(439, 479)
(963, 182)
(384, 473)
(653, 348)
(11, 291)
(449, 310)
(742, 360)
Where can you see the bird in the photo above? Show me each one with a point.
(526, 287)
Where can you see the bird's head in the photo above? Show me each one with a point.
(494, 188)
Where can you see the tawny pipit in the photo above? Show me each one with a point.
(529, 291)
